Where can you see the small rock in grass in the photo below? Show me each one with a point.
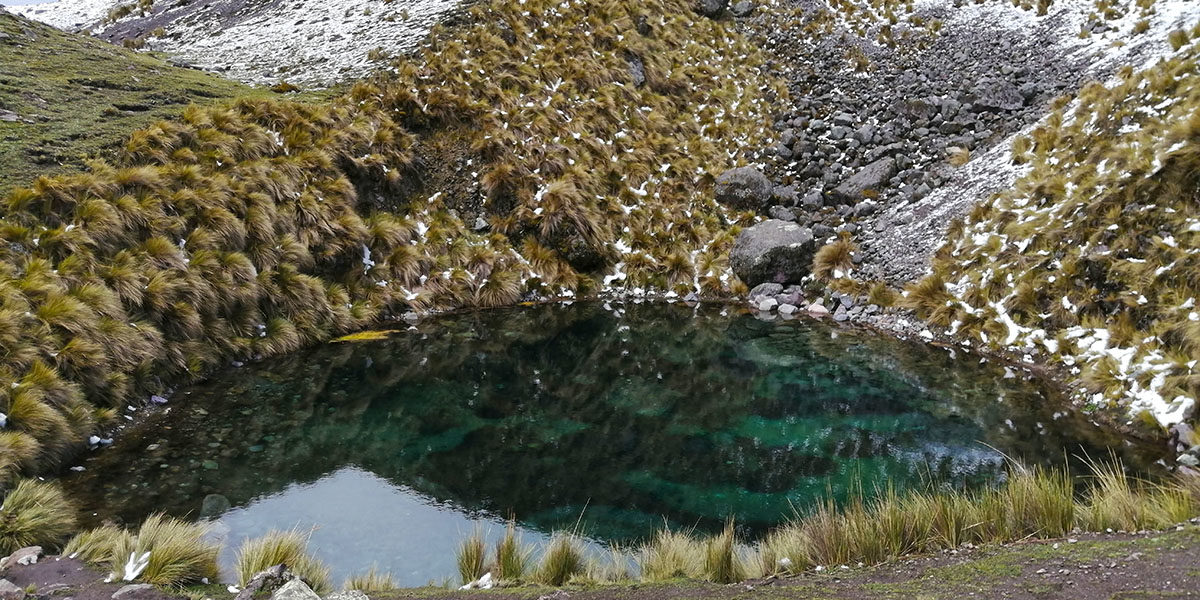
(711, 8)
(742, 9)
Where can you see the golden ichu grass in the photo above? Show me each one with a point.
(252, 229)
(1090, 262)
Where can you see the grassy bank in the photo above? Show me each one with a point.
(77, 98)
(519, 154)
(1032, 504)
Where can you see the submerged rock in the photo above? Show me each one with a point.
(744, 188)
(773, 251)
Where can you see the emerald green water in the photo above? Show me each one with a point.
(616, 419)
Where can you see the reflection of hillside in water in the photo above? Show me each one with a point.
(542, 411)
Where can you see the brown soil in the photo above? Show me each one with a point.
(70, 579)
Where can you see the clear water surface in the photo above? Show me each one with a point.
(612, 419)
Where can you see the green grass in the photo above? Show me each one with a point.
(289, 548)
(84, 97)
(371, 582)
(472, 554)
(562, 560)
(35, 513)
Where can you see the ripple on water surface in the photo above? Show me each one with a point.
(394, 450)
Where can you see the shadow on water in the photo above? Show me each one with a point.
(394, 450)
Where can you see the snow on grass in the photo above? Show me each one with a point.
(68, 15)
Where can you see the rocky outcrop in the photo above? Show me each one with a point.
(744, 188)
(773, 251)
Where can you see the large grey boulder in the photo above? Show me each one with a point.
(773, 251)
(266, 582)
(997, 95)
(871, 177)
(711, 8)
(10, 591)
(744, 188)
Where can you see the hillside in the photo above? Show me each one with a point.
(66, 98)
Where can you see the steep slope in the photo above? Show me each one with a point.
(66, 98)
(263, 41)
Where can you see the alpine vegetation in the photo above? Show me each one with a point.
(1090, 262)
(252, 229)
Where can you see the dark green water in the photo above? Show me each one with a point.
(627, 416)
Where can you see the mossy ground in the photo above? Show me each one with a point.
(79, 97)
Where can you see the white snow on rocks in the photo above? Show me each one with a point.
(267, 41)
(69, 15)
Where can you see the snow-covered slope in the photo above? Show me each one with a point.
(265, 41)
(70, 15)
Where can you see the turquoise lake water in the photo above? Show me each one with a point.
(614, 420)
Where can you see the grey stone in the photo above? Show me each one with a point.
(997, 95)
(787, 309)
(765, 289)
(25, 556)
(10, 591)
(781, 213)
(266, 582)
(637, 69)
(136, 591)
(865, 208)
(9, 116)
(785, 194)
(840, 315)
(772, 251)
(711, 8)
(742, 9)
(744, 188)
(295, 590)
(813, 200)
(871, 177)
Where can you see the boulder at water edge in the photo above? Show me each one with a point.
(773, 251)
(711, 8)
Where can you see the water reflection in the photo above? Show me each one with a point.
(635, 414)
(410, 533)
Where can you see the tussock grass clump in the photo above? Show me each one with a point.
(35, 513)
(289, 548)
(1119, 503)
(370, 582)
(721, 561)
(164, 551)
(98, 546)
(835, 259)
(512, 557)
(672, 555)
(471, 556)
(562, 560)
(1087, 261)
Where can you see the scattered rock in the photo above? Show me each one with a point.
(25, 556)
(10, 591)
(711, 8)
(872, 177)
(9, 116)
(137, 591)
(772, 251)
(742, 9)
(266, 582)
(765, 289)
(637, 69)
(744, 188)
(767, 304)
(295, 590)
(787, 309)
(348, 595)
(817, 310)
(997, 95)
